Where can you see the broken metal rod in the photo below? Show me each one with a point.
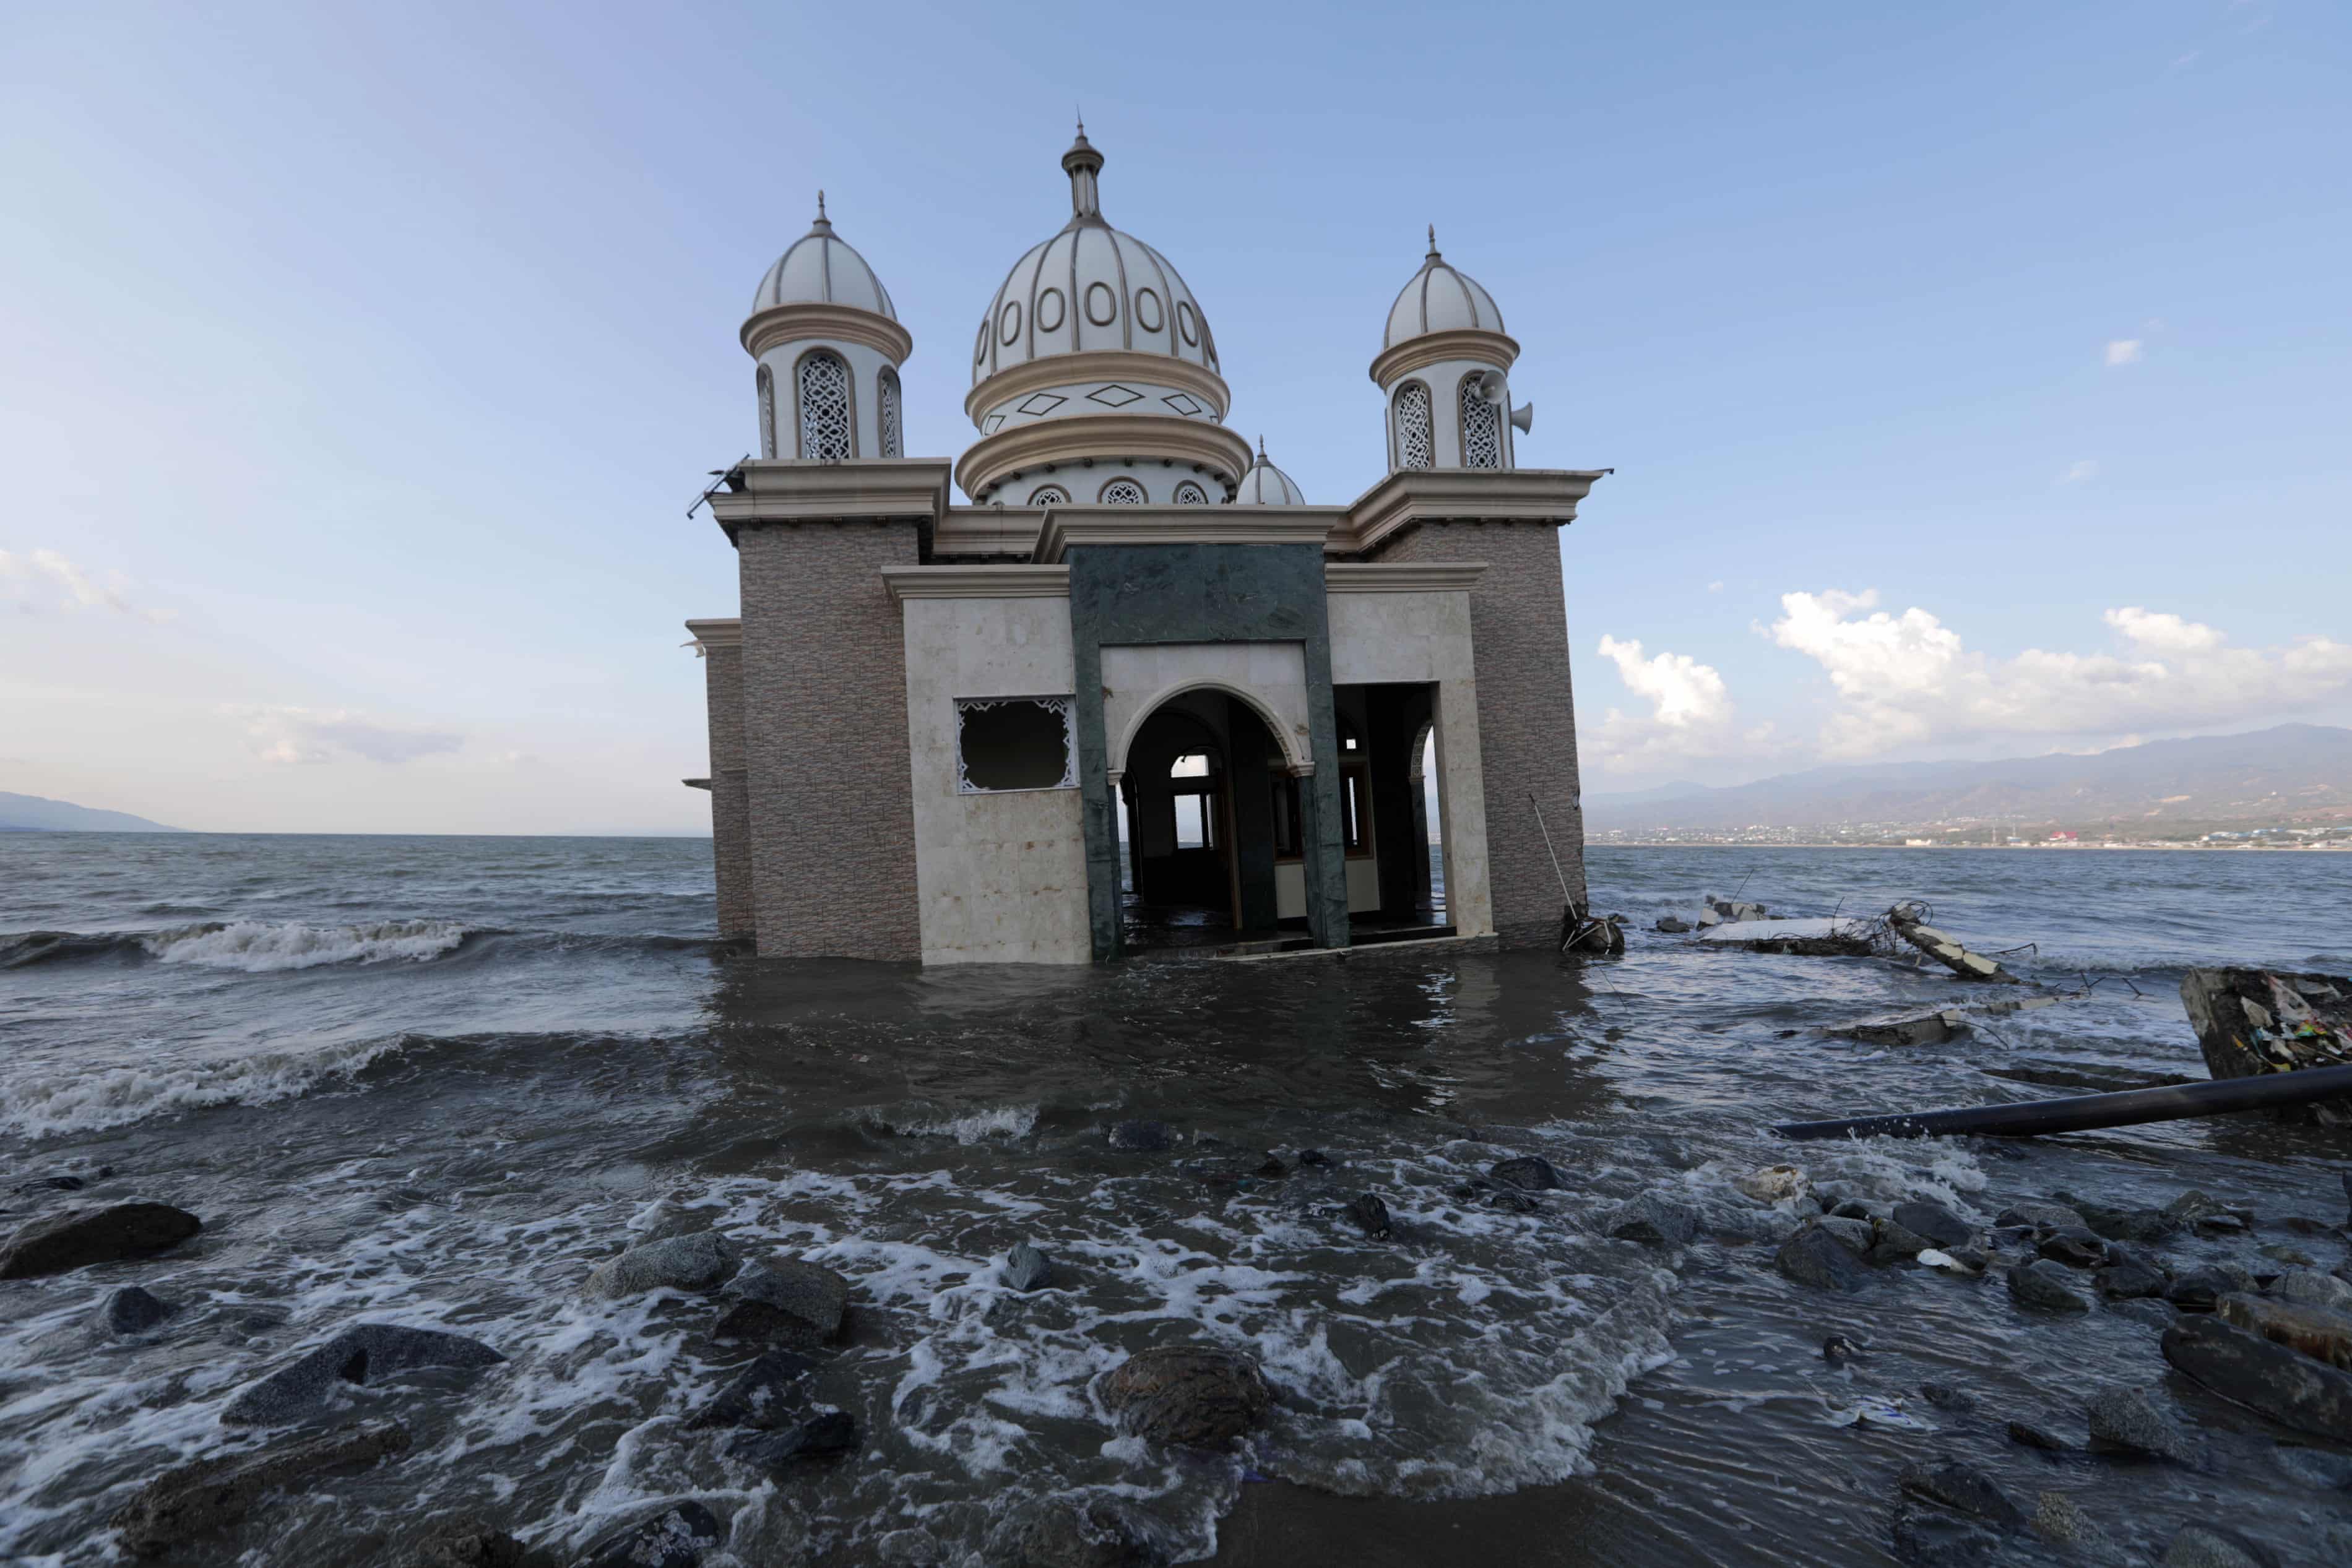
(2086, 1113)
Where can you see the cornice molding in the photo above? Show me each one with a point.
(726, 633)
(1402, 577)
(843, 323)
(862, 490)
(1068, 527)
(1434, 348)
(1017, 581)
(1411, 496)
(1113, 438)
(1019, 380)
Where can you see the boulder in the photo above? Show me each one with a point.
(1933, 1538)
(1940, 1225)
(1671, 926)
(364, 1353)
(2318, 1333)
(1773, 1184)
(2210, 1216)
(77, 1237)
(2210, 1546)
(1141, 1137)
(2197, 1290)
(1529, 1173)
(2145, 1227)
(1655, 1220)
(1369, 1215)
(2128, 1281)
(2153, 1312)
(1090, 1532)
(1894, 1242)
(2316, 1468)
(822, 1436)
(2134, 1423)
(195, 1500)
(2032, 1437)
(1488, 1194)
(2288, 1387)
(676, 1537)
(1814, 1257)
(131, 1311)
(1854, 1234)
(814, 1296)
(1962, 1488)
(468, 1543)
(1944, 1396)
(2310, 1287)
(1188, 1396)
(1026, 1268)
(2077, 1247)
(760, 1395)
(2047, 1285)
(2060, 1521)
(2039, 1217)
(701, 1261)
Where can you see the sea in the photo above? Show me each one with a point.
(436, 1080)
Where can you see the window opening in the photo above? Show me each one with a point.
(889, 415)
(1190, 495)
(1481, 428)
(824, 407)
(1192, 788)
(1412, 438)
(1049, 495)
(767, 412)
(1016, 743)
(1122, 493)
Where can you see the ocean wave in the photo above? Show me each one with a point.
(91, 1102)
(968, 1127)
(258, 946)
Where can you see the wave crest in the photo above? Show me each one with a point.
(89, 1102)
(258, 946)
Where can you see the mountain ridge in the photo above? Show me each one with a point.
(38, 814)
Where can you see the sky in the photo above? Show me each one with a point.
(1975, 376)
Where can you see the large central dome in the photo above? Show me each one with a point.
(1090, 286)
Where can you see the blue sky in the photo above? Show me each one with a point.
(1975, 375)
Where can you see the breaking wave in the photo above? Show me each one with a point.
(259, 945)
(49, 1107)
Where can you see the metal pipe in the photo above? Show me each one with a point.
(2084, 1112)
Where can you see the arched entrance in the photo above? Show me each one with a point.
(1197, 805)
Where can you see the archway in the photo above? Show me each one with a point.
(1197, 805)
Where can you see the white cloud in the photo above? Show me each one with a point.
(82, 592)
(2125, 351)
(301, 735)
(1690, 715)
(1715, 587)
(2088, 468)
(1906, 680)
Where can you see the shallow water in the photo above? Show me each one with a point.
(435, 1080)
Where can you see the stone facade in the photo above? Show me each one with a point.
(831, 827)
(1526, 713)
(730, 796)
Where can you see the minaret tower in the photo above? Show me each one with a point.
(829, 347)
(1444, 369)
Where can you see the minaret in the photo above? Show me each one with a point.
(829, 346)
(1444, 370)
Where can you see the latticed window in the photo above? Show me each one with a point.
(1481, 428)
(1049, 495)
(824, 407)
(891, 415)
(1122, 493)
(1412, 438)
(1190, 495)
(767, 413)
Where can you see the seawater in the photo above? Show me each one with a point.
(435, 1080)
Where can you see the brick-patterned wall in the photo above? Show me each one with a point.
(824, 729)
(730, 800)
(1526, 713)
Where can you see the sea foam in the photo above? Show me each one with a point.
(258, 946)
(88, 1101)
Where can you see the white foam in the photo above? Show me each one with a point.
(994, 1121)
(258, 946)
(48, 1107)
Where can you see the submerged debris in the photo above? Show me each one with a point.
(1824, 938)
(2250, 1021)
(1909, 921)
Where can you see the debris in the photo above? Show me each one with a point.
(2251, 1023)
(1876, 1410)
(1773, 1184)
(1824, 938)
(1603, 934)
(1923, 1029)
(2085, 1113)
(1908, 921)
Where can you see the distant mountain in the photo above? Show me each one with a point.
(32, 814)
(2294, 769)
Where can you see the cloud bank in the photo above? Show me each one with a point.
(46, 570)
(302, 737)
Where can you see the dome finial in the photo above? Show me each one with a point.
(1261, 447)
(1082, 163)
(1432, 242)
(824, 224)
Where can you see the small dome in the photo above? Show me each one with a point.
(821, 270)
(1091, 286)
(1264, 485)
(1440, 299)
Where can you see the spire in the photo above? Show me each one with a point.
(1082, 163)
(824, 226)
(1433, 254)
(1261, 448)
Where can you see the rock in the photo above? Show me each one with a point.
(50, 1184)
(820, 1436)
(78, 1237)
(1849, 1208)
(1972, 1260)
(814, 1295)
(1854, 1234)
(194, 1499)
(2034, 1437)
(1892, 1242)
(1940, 1225)
(1655, 1220)
(1141, 1137)
(468, 1543)
(2077, 1247)
(1962, 1488)
(756, 1323)
(364, 1353)
(2210, 1546)
(1931, 1538)
(2315, 1467)
(2310, 1287)
(1773, 1184)
(2130, 1421)
(2046, 1285)
(2197, 1290)
(2152, 1311)
(1493, 1194)
(1529, 1173)
(1671, 926)
(1093, 1532)
(1944, 1396)
(1837, 1349)
(1272, 1167)
(2126, 1282)
(2209, 1215)
(701, 1261)
(2318, 1333)
(2144, 1225)
(2059, 1522)
(1814, 1257)
(1314, 1158)
(1367, 1214)
(1027, 1268)
(760, 1395)
(1187, 1396)
(2039, 1217)
(2288, 1387)
(909, 1547)
(130, 1311)
(2293, 1256)
(676, 1537)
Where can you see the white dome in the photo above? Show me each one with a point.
(821, 270)
(1440, 299)
(1090, 288)
(1264, 485)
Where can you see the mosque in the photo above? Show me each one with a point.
(1139, 690)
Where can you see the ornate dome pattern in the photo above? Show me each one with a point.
(1089, 288)
(1264, 485)
(1440, 299)
(822, 269)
